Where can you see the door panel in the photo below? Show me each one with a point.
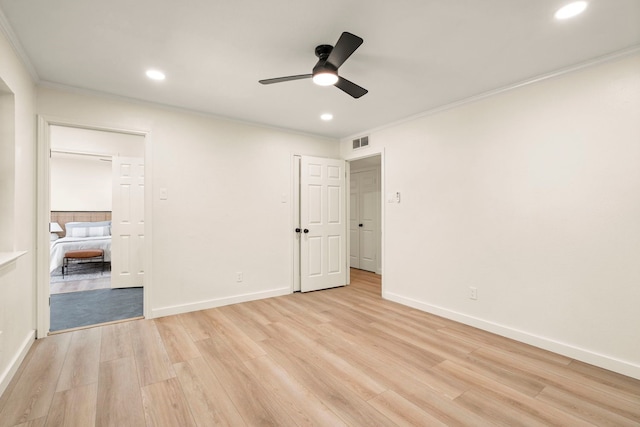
(127, 223)
(354, 232)
(363, 220)
(322, 214)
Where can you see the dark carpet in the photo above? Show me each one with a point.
(75, 309)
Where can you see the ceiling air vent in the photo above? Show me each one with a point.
(360, 142)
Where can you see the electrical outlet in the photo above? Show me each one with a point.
(239, 276)
(473, 292)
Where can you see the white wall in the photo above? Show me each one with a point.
(533, 197)
(224, 213)
(17, 280)
(81, 182)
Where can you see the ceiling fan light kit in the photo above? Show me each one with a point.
(325, 72)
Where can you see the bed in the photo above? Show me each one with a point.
(77, 235)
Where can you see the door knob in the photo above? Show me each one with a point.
(298, 230)
(305, 231)
(360, 225)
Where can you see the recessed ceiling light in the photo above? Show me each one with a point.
(326, 117)
(571, 10)
(155, 75)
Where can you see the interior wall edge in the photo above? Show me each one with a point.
(12, 368)
(584, 355)
(218, 302)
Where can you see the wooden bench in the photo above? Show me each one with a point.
(82, 256)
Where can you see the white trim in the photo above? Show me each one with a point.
(371, 151)
(295, 221)
(557, 73)
(7, 30)
(218, 302)
(44, 208)
(11, 370)
(80, 153)
(7, 258)
(584, 355)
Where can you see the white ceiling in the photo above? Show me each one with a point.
(417, 54)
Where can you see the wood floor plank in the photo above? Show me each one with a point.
(352, 377)
(38, 422)
(116, 341)
(586, 410)
(197, 325)
(245, 321)
(120, 402)
(495, 411)
(179, 345)
(401, 411)
(74, 407)
(31, 397)
(528, 407)
(411, 382)
(81, 366)
(304, 408)
(239, 342)
(600, 394)
(165, 406)
(332, 393)
(252, 401)
(150, 354)
(611, 379)
(206, 396)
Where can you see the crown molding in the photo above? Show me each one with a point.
(542, 77)
(8, 32)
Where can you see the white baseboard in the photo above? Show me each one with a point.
(11, 370)
(568, 350)
(218, 302)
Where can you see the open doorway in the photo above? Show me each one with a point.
(83, 204)
(365, 220)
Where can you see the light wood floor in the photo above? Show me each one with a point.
(332, 358)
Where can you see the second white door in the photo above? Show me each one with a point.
(323, 262)
(127, 223)
(363, 220)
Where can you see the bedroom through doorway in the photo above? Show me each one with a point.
(83, 195)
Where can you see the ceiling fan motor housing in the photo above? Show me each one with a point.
(322, 52)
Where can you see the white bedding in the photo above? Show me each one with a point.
(61, 246)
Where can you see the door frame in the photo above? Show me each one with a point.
(43, 203)
(377, 171)
(358, 155)
(295, 211)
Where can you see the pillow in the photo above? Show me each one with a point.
(100, 231)
(88, 229)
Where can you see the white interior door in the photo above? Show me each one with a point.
(363, 220)
(127, 223)
(368, 215)
(323, 261)
(354, 221)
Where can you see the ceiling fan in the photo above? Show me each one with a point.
(325, 72)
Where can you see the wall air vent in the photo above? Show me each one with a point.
(360, 142)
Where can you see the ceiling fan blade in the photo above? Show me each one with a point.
(285, 79)
(346, 45)
(350, 88)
